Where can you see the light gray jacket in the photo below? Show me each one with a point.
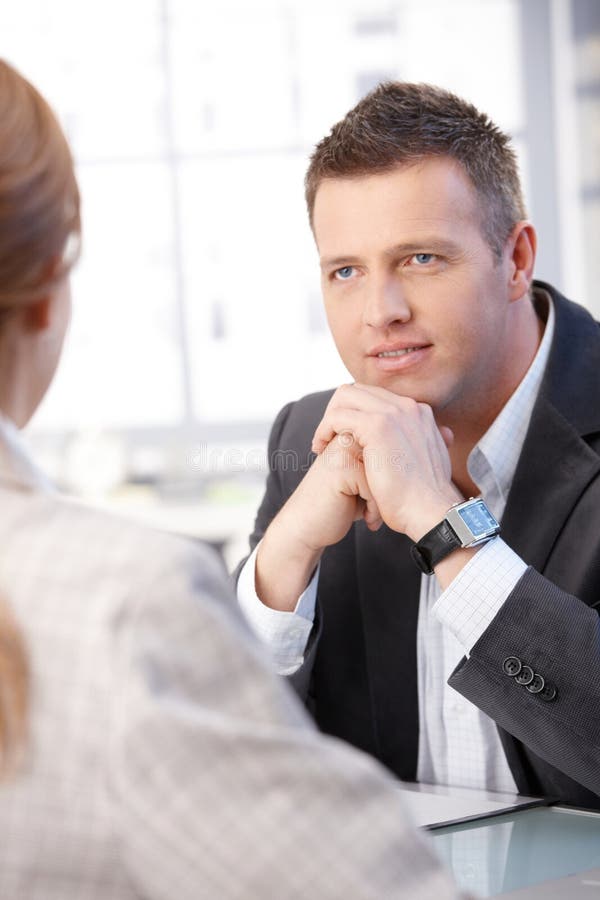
(165, 761)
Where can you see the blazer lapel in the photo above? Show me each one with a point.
(388, 583)
(555, 467)
(556, 464)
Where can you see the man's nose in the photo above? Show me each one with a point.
(385, 302)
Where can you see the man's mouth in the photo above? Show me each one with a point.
(389, 353)
(399, 356)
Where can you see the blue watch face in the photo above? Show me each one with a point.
(478, 518)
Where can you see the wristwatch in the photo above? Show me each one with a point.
(466, 524)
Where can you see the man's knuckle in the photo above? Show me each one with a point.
(408, 405)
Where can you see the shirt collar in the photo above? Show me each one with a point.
(16, 466)
(493, 460)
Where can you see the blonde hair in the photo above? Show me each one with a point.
(39, 237)
(39, 198)
(14, 690)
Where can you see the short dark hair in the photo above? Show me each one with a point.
(399, 123)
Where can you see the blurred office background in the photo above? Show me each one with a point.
(197, 305)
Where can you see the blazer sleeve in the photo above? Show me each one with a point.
(289, 456)
(287, 464)
(221, 785)
(279, 460)
(274, 496)
(557, 714)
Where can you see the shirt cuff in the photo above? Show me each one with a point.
(470, 602)
(284, 633)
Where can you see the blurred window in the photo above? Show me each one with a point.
(197, 301)
(197, 297)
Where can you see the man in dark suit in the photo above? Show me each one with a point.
(412, 628)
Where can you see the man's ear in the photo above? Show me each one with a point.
(521, 247)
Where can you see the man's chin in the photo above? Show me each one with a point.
(417, 392)
(401, 387)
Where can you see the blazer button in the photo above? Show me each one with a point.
(536, 685)
(511, 665)
(525, 676)
(548, 693)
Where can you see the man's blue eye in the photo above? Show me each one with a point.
(423, 258)
(345, 272)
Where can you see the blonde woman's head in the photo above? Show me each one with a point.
(39, 240)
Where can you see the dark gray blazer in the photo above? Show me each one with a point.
(359, 678)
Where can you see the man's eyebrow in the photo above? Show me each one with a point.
(333, 261)
(423, 245)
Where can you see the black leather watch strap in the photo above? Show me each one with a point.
(434, 546)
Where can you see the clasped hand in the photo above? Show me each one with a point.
(389, 458)
(380, 458)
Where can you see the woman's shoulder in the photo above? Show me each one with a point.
(55, 545)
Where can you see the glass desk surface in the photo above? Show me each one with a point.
(518, 849)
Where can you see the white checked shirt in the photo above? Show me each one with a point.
(458, 744)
